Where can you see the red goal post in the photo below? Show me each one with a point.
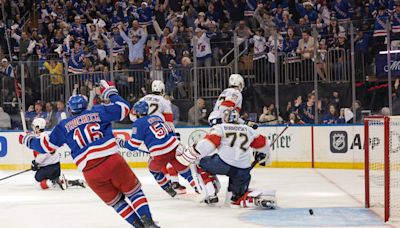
(382, 165)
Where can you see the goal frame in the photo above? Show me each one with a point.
(386, 128)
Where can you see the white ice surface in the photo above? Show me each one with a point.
(22, 204)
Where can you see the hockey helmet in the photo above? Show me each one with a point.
(38, 124)
(77, 104)
(157, 86)
(141, 108)
(236, 80)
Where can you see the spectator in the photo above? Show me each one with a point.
(335, 100)
(202, 21)
(198, 116)
(385, 111)
(236, 10)
(269, 115)
(357, 113)
(75, 62)
(306, 45)
(243, 32)
(165, 36)
(60, 109)
(331, 117)
(290, 42)
(322, 56)
(265, 19)
(5, 120)
(35, 111)
(203, 48)
(56, 72)
(310, 15)
(51, 119)
(136, 48)
(215, 42)
(307, 110)
(342, 9)
(6, 68)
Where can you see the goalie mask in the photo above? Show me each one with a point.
(231, 116)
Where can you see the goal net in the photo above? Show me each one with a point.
(382, 165)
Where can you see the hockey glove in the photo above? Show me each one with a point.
(35, 166)
(26, 139)
(120, 142)
(187, 156)
(252, 125)
(263, 158)
(107, 89)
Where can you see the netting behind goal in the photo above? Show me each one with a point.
(382, 165)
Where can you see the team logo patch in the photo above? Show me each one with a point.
(338, 142)
(234, 97)
(195, 136)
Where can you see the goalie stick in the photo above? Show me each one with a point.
(15, 174)
(255, 162)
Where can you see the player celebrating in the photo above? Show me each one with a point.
(161, 142)
(47, 166)
(161, 107)
(93, 147)
(233, 159)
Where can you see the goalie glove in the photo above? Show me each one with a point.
(26, 139)
(187, 156)
(107, 89)
(263, 158)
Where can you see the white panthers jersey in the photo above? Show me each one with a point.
(46, 159)
(233, 143)
(230, 97)
(159, 106)
(203, 47)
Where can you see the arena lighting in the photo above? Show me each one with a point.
(391, 52)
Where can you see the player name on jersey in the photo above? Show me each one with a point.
(83, 119)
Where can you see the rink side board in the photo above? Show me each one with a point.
(334, 146)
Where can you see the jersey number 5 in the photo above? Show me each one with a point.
(160, 130)
(90, 134)
(234, 136)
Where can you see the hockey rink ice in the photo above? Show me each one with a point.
(335, 196)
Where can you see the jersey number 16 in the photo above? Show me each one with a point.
(90, 134)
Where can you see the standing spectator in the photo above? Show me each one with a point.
(290, 42)
(212, 14)
(203, 48)
(60, 109)
(6, 68)
(331, 117)
(198, 116)
(243, 32)
(5, 120)
(343, 10)
(145, 13)
(136, 48)
(307, 110)
(165, 36)
(310, 15)
(264, 18)
(333, 31)
(236, 10)
(136, 29)
(75, 62)
(51, 119)
(380, 29)
(306, 45)
(215, 42)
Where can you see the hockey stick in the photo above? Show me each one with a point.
(255, 162)
(15, 174)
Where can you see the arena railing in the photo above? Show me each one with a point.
(210, 81)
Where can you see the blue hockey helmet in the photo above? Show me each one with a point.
(77, 104)
(141, 108)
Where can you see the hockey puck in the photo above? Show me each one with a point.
(311, 212)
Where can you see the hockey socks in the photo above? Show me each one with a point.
(188, 176)
(164, 182)
(126, 212)
(139, 203)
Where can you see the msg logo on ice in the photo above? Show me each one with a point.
(3, 146)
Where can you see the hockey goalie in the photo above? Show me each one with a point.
(233, 143)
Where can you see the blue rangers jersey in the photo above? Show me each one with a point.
(89, 134)
(343, 9)
(380, 25)
(157, 136)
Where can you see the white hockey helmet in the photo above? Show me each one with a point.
(236, 80)
(157, 86)
(38, 124)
